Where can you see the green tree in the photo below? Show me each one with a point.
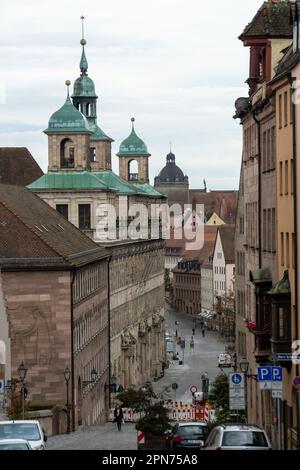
(154, 419)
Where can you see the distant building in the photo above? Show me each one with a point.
(187, 283)
(223, 261)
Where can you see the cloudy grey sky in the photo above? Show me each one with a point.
(176, 66)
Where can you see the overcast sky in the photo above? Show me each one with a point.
(176, 66)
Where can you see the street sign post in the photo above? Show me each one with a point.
(237, 391)
(193, 389)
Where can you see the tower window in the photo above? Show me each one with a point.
(67, 153)
(133, 170)
(93, 154)
(84, 216)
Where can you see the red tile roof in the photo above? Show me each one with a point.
(30, 228)
(17, 166)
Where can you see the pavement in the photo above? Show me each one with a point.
(105, 437)
(202, 358)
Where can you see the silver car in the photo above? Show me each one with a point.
(14, 444)
(237, 437)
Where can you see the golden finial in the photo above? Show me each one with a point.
(68, 83)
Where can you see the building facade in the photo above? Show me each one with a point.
(55, 286)
(81, 185)
(266, 156)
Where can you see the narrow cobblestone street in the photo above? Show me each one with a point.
(202, 358)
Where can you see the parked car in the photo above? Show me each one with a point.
(188, 435)
(237, 437)
(28, 430)
(14, 444)
(225, 360)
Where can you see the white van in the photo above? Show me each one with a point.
(30, 430)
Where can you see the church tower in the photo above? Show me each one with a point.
(133, 159)
(68, 139)
(85, 100)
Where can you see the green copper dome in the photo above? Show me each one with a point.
(67, 119)
(84, 86)
(133, 145)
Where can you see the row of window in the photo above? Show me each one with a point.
(286, 177)
(269, 230)
(188, 294)
(220, 285)
(219, 270)
(268, 150)
(285, 111)
(182, 279)
(287, 241)
(84, 214)
(89, 326)
(89, 280)
(99, 362)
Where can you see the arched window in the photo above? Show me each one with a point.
(133, 170)
(2, 352)
(88, 107)
(67, 153)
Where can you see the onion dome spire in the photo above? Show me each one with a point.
(83, 61)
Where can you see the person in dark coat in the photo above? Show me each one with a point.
(118, 413)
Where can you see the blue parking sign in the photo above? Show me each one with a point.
(264, 374)
(277, 374)
(269, 374)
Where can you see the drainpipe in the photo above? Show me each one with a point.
(109, 331)
(72, 351)
(259, 189)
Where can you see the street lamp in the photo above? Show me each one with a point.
(244, 367)
(113, 388)
(94, 375)
(22, 371)
(67, 375)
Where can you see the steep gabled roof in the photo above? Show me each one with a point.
(17, 166)
(227, 233)
(30, 228)
(273, 20)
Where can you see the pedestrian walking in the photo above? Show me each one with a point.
(118, 413)
(193, 331)
(203, 332)
(192, 342)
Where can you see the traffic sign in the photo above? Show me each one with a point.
(269, 374)
(237, 391)
(265, 385)
(193, 389)
(277, 394)
(237, 379)
(296, 382)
